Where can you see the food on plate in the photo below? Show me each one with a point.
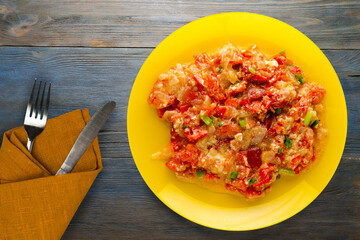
(239, 119)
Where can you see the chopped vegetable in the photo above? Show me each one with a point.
(200, 173)
(308, 118)
(252, 181)
(206, 119)
(214, 120)
(252, 70)
(236, 117)
(234, 175)
(242, 123)
(315, 123)
(300, 79)
(268, 114)
(287, 142)
(287, 171)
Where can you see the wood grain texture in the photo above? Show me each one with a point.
(91, 51)
(120, 205)
(118, 23)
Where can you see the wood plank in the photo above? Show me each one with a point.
(120, 23)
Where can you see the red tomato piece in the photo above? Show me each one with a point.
(295, 162)
(254, 107)
(237, 88)
(240, 158)
(212, 85)
(250, 192)
(266, 102)
(199, 80)
(193, 149)
(175, 165)
(281, 59)
(256, 93)
(233, 102)
(313, 157)
(243, 101)
(188, 156)
(254, 157)
(211, 176)
(184, 108)
(295, 128)
(317, 93)
(229, 130)
(196, 134)
(201, 58)
(210, 109)
(295, 69)
(260, 78)
(189, 96)
(177, 142)
(220, 111)
(161, 112)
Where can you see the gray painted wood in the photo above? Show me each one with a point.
(92, 50)
(118, 23)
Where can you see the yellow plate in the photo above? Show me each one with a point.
(148, 134)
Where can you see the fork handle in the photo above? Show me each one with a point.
(29, 144)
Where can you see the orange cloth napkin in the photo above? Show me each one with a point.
(35, 204)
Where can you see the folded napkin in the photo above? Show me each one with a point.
(35, 204)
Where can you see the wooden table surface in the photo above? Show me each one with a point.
(92, 51)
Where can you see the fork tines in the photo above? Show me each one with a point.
(36, 109)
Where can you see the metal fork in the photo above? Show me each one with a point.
(36, 114)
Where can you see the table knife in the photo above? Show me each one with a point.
(86, 137)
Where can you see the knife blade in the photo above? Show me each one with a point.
(86, 137)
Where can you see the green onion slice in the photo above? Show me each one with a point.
(287, 171)
(308, 118)
(279, 151)
(234, 175)
(252, 181)
(278, 110)
(287, 142)
(300, 79)
(220, 124)
(206, 119)
(252, 70)
(268, 114)
(200, 173)
(242, 123)
(315, 123)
